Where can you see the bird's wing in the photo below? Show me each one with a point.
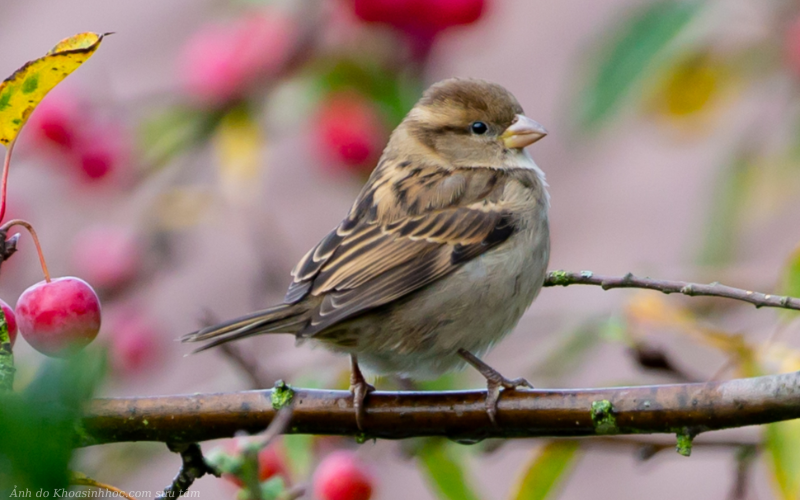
(409, 227)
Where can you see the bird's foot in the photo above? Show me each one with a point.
(360, 389)
(494, 382)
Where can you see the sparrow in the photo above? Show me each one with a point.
(441, 253)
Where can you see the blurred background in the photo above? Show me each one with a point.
(188, 165)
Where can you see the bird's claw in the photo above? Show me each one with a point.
(360, 389)
(493, 387)
(494, 382)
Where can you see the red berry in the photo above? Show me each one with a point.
(420, 16)
(134, 342)
(11, 321)
(350, 132)
(271, 462)
(342, 476)
(60, 317)
(221, 60)
(108, 256)
(446, 13)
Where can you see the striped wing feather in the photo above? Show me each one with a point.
(400, 236)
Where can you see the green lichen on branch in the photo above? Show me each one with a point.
(7, 369)
(603, 417)
(684, 442)
(559, 278)
(282, 395)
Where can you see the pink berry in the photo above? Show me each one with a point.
(59, 318)
(108, 256)
(134, 342)
(350, 132)
(342, 476)
(56, 121)
(220, 61)
(101, 152)
(11, 321)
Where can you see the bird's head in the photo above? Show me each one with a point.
(470, 123)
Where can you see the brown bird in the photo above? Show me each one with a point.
(443, 250)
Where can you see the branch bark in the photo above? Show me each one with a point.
(683, 409)
(758, 299)
(193, 467)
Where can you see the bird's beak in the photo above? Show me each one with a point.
(523, 132)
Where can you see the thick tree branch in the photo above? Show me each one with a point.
(758, 299)
(685, 409)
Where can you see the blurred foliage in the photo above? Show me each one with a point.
(632, 51)
(728, 206)
(444, 469)
(791, 277)
(573, 349)
(546, 471)
(692, 84)
(40, 425)
(395, 93)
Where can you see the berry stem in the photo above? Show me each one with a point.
(27, 225)
(4, 185)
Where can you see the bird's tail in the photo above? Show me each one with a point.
(283, 318)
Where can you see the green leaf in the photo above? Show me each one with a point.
(629, 53)
(444, 470)
(173, 130)
(300, 453)
(572, 351)
(7, 369)
(727, 209)
(40, 426)
(546, 470)
(783, 452)
(791, 275)
(394, 94)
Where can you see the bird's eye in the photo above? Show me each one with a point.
(479, 128)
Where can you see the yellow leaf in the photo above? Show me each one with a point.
(81, 479)
(182, 207)
(24, 90)
(238, 145)
(693, 84)
(646, 307)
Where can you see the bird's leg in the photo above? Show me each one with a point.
(360, 388)
(495, 381)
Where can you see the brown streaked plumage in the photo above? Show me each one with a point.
(445, 247)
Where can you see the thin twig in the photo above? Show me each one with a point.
(192, 468)
(744, 465)
(27, 225)
(244, 361)
(247, 364)
(80, 479)
(460, 415)
(245, 467)
(758, 299)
